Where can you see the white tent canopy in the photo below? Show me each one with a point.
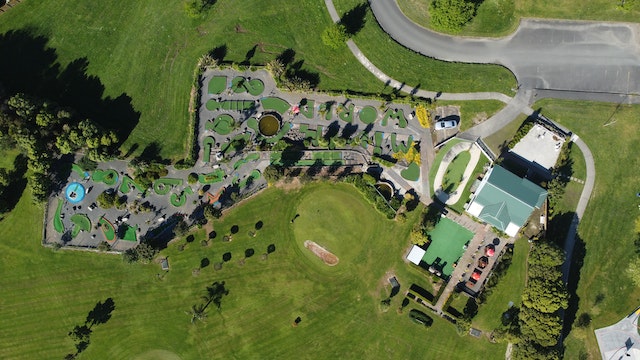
(416, 254)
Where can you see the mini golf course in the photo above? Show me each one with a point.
(368, 115)
(447, 245)
(222, 124)
(164, 185)
(412, 172)
(179, 200)
(128, 183)
(212, 177)
(130, 233)
(240, 84)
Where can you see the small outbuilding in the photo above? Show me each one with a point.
(416, 254)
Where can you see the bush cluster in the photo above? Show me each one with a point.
(370, 194)
(522, 131)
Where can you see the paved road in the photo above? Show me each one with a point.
(583, 57)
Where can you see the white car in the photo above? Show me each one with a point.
(446, 124)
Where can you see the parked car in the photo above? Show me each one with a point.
(92, 207)
(446, 124)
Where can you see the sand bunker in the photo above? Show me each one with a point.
(322, 253)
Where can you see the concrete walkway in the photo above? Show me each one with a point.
(454, 197)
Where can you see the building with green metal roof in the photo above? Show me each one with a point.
(505, 200)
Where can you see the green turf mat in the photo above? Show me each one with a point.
(447, 244)
(81, 222)
(109, 177)
(255, 87)
(57, 220)
(223, 124)
(307, 110)
(208, 142)
(107, 229)
(130, 233)
(412, 172)
(164, 185)
(276, 104)
(368, 115)
(213, 105)
(346, 113)
(217, 84)
(128, 183)
(212, 177)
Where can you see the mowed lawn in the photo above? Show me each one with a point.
(604, 290)
(501, 17)
(47, 293)
(148, 51)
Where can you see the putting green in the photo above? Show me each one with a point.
(81, 222)
(109, 177)
(179, 200)
(223, 124)
(276, 104)
(164, 185)
(447, 243)
(368, 115)
(130, 233)
(57, 220)
(107, 229)
(412, 172)
(334, 218)
(128, 183)
(212, 177)
(217, 84)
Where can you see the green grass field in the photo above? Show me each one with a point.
(607, 226)
(149, 50)
(455, 170)
(501, 17)
(509, 288)
(338, 306)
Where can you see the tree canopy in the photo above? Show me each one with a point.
(451, 15)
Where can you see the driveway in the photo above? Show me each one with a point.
(576, 56)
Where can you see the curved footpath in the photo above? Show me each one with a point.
(542, 55)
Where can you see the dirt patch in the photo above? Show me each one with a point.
(293, 184)
(480, 117)
(326, 256)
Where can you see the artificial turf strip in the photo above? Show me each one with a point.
(57, 220)
(212, 177)
(130, 233)
(207, 142)
(447, 243)
(223, 124)
(164, 185)
(109, 176)
(128, 183)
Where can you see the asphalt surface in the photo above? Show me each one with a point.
(577, 56)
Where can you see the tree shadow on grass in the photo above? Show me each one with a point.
(101, 313)
(17, 183)
(354, 19)
(33, 68)
(219, 53)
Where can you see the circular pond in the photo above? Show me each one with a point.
(385, 189)
(269, 125)
(75, 192)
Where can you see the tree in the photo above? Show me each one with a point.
(272, 173)
(334, 36)
(145, 252)
(197, 8)
(451, 15)
(130, 256)
(198, 312)
(192, 178)
(106, 199)
(211, 212)
(276, 68)
(418, 237)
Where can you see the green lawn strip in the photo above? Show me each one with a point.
(466, 193)
(211, 178)
(474, 109)
(610, 214)
(164, 185)
(57, 220)
(207, 142)
(501, 18)
(128, 183)
(418, 70)
(368, 115)
(217, 84)
(130, 233)
(81, 222)
(508, 289)
(455, 170)
(109, 176)
(440, 153)
(578, 166)
(150, 320)
(307, 110)
(276, 104)
(412, 172)
(502, 136)
(108, 229)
